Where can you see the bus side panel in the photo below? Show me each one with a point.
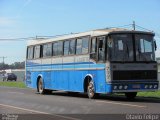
(31, 80)
(65, 79)
(47, 79)
(99, 80)
(59, 80)
(71, 80)
(28, 78)
(78, 80)
(34, 76)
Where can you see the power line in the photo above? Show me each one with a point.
(129, 26)
(16, 39)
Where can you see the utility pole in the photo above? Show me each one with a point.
(3, 66)
(3, 61)
(134, 25)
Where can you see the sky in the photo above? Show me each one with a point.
(31, 18)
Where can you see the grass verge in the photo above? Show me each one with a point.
(13, 84)
(149, 94)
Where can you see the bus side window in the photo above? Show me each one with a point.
(55, 45)
(57, 48)
(30, 53)
(47, 50)
(37, 51)
(79, 46)
(60, 48)
(101, 49)
(66, 47)
(72, 47)
(93, 51)
(85, 42)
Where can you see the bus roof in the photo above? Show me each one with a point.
(97, 32)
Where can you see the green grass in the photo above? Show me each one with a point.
(143, 94)
(13, 84)
(149, 94)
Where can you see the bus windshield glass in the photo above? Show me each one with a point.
(120, 47)
(144, 48)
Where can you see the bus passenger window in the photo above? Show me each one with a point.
(57, 48)
(93, 49)
(37, 52)
(30, 53)
(47, 50)
(60, 48)
(101, 49)
(79, 46)
(66, 47)
(72, 47)
(85, 45)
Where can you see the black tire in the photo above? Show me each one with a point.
(91, 90)
(130, 95)
(40, 88)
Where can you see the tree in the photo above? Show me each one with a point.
(16, 65)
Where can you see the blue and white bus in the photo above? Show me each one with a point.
(98, 61)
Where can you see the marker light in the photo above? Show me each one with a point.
(115, 87)
(146, 86)
(120, 87)
(125, 87)
(155, 86)
(150, 86)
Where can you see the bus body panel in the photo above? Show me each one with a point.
(112, 58)
(59, 78)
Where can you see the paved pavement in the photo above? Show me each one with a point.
(62, 105)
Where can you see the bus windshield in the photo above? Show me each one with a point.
(144, 48)
(121, 47)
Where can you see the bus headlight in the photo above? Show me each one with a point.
(146, 86)
(125, 87)
(120, 87)
(115, 87)
(155, 86)
(150, 86)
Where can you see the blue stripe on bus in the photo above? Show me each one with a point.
(78, 66)
(36, 64)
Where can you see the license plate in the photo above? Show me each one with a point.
(136, 86)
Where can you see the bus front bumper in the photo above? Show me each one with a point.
(134, 87)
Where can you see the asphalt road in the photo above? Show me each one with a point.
(61, 105)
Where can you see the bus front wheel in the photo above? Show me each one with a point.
(130, 95)
(91, 90)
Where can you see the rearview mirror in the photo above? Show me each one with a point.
(155, 45)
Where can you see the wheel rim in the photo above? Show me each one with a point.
(91, 90)
(40, 86)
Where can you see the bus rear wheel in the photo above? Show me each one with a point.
(41, 89)
(91, 90)
(130, 95)
(40, 86)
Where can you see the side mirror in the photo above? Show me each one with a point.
(155, 45)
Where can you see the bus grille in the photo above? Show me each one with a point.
(135, 75)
